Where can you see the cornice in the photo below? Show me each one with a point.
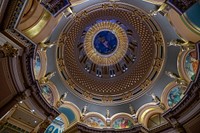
(84, 128)
(14, 9)
(161, 128)
(191, 98)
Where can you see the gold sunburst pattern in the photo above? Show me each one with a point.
(114, 57)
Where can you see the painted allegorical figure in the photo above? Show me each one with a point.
(191, 65)
(175, 95)
(105, 42)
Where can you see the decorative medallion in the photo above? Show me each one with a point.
(106, 43)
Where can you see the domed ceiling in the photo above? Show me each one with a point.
(112, 53)
(103, 64)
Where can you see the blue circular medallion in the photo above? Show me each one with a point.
(105, 42)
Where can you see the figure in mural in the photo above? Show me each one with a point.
(191, 65)
(121, 123)
(47, 78)
(94, 122)
(37, 65)
(105, 42)
(175, 95)
(184, 46)
(47, 93)
(177, 79)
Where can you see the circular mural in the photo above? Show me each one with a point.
(109, 43)
(105, 42)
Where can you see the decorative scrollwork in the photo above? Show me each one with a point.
(8, 50)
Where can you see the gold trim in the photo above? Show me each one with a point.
(117, 55)
(37, 28)
(180, 65)
(184, 60)
(193, 26)
(43, 61)
(166, 91)
(142, 118)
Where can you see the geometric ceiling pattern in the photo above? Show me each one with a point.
(116, 65)
(110, 75)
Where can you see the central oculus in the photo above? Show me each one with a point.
(105, 42)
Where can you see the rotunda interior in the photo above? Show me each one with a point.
(93, 66)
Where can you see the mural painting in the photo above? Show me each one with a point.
(191, 65)
(121, 123)
(175, 95)
(105, 42)
(37, 65)
(94, 122)
(47, 93)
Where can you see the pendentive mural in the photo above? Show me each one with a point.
(94, 122)
(37, 65)
(121, 123)
(47, 93)
(191, 65)
(175, 95)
